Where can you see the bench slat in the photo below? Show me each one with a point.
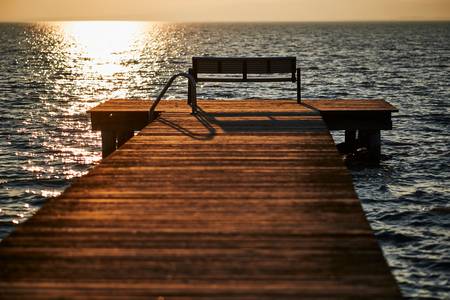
(235, 65)
(221, 79)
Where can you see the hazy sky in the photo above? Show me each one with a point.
(225, 10)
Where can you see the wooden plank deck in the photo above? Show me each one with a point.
(354, 114)
(247, 200)
(340, 105)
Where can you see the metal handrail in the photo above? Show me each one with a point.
(192, 95)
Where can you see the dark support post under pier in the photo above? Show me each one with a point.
(109, 142)
(118, 120)
(350, 140)
(364, 117)
(371, 139)
(112, 140)
(374, 145)
(123, 137)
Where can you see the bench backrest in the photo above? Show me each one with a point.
(245, 67)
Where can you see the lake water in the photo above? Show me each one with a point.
(51, 73)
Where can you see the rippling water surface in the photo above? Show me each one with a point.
(51, 73)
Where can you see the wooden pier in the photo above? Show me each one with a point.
(245, 200)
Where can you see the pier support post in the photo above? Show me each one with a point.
(374, 146)
(350, 140)
(109, 142)
(371, 139)
(112, 140)
(123, 137)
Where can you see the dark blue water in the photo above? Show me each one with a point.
(50, 74)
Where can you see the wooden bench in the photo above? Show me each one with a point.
(269, 69)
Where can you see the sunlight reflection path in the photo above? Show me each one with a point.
(104, 50)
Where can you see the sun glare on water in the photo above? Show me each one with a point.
(105, 44)
(86, 63)
(98, 39)
(65, 69)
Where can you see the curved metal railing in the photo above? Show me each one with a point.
(192, 94)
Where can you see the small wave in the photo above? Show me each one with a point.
(440, 210)
(439, 266)
(398, 216)
(395, 238)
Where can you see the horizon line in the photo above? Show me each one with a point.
(224, 21)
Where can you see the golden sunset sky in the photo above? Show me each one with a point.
(225, 10)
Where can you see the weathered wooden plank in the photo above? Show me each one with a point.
(333, 105)
(354, 114)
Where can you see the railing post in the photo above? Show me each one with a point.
(299, 85)
(190, 72)
(193, 92)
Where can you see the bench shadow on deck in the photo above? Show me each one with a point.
(242, 122)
